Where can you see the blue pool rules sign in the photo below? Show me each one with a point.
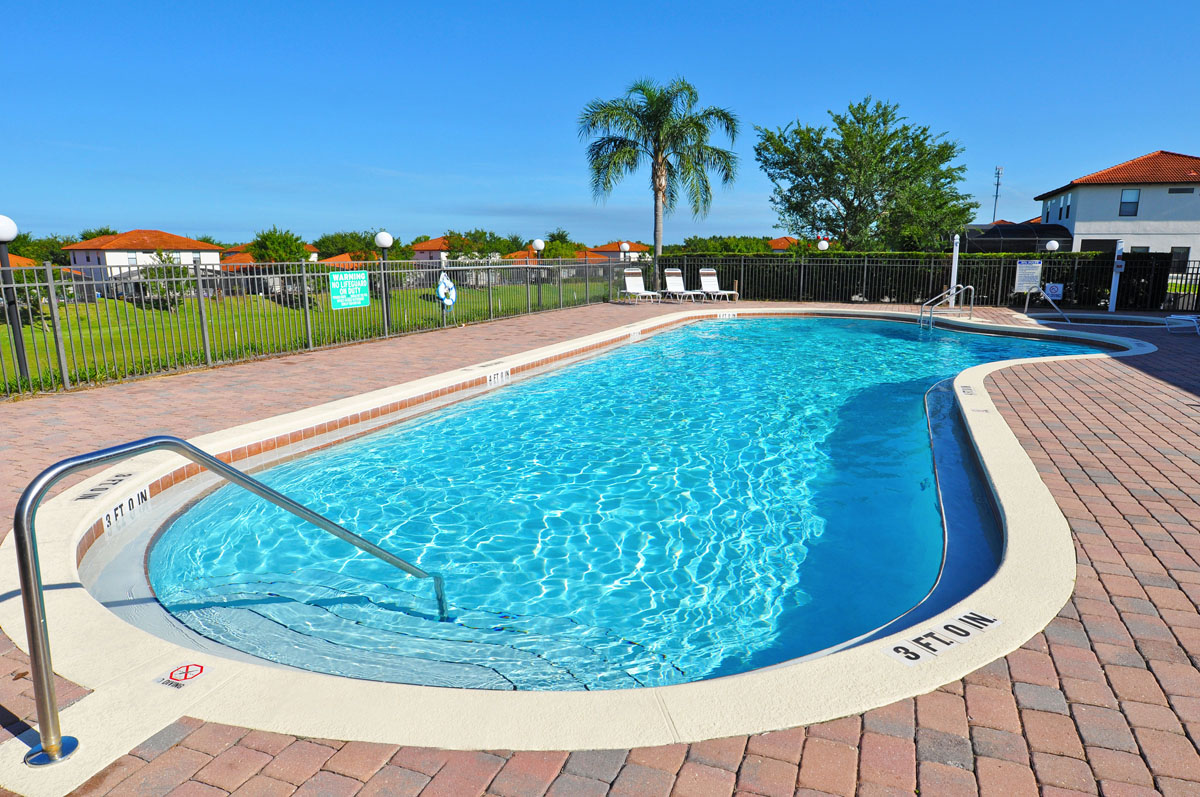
(349, 289)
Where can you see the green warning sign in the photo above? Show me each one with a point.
(348, 289)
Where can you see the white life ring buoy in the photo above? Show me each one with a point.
(446, 291)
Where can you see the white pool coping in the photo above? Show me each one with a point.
(122, 664)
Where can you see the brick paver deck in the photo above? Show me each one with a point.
(1106, 700)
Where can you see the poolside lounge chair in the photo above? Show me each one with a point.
(712, 288)
(636, 288)
(1184, 322)
(675, 288)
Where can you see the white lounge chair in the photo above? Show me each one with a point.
(635, 287)
(675, 288)
(1184, 322)
(712, 288)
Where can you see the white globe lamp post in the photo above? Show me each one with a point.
(624, 250)
(822, 244)
(1051, 246)
(538, 246)
(384, 240)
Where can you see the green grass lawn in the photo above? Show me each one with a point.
(111, 339)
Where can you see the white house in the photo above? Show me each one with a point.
(612, 251)
(1152, 203)
(433, 249)
(124, 255)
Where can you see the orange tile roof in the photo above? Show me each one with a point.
(144, 241)
(1001, 221)
(16, 261)
(237, 262)
(528, 252)
(438, 244)
(242, 248)
(615, 246)
(529, 255)
(1034, 220)
(349, 257)
(783, 242)
(1156, 167)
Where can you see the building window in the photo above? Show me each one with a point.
(89, 257)
(1129, 201)
(1139, 250)
(1060, 210)
(133, 258)
(1068, 206)
(1181, 190)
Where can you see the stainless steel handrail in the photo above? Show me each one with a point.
(54, 746)
(947, 295)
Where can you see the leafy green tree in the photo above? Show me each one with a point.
(164, 280)
(722, 244)
(563, 249)
(480, 243)
(42, 249)
(277, 246)
(874, 182)
(558, 235)
(346, 242)
(208, 239)
(96, 232)
(659, 126)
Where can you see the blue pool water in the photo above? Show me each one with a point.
(715, 499)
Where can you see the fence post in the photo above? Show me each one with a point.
(383, 288)
(55, 328)
(489, 279)
(528, 292)
(559, 269)
(741, 277)
(14, 315)
(587, 283)
(610, 280)
(203, 312)
(308, 342)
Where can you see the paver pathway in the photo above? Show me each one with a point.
(1106, 700)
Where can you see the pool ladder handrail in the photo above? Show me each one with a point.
(948, 295)
(54, 747)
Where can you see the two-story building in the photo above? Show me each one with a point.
(1152, 203)
(124, 255)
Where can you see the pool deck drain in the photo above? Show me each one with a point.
(1108, 693)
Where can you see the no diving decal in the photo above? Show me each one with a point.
(929, 643)
(181, 676)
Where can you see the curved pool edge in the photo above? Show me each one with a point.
(121, 663)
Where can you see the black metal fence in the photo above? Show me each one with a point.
(1150, 281)
(87, 328)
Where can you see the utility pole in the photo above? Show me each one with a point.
(996, 201)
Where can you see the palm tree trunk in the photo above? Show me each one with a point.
(658, 232)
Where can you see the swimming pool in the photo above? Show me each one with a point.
(712, 500)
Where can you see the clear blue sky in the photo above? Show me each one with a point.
(224, 118)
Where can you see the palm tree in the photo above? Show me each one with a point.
(659, 125)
